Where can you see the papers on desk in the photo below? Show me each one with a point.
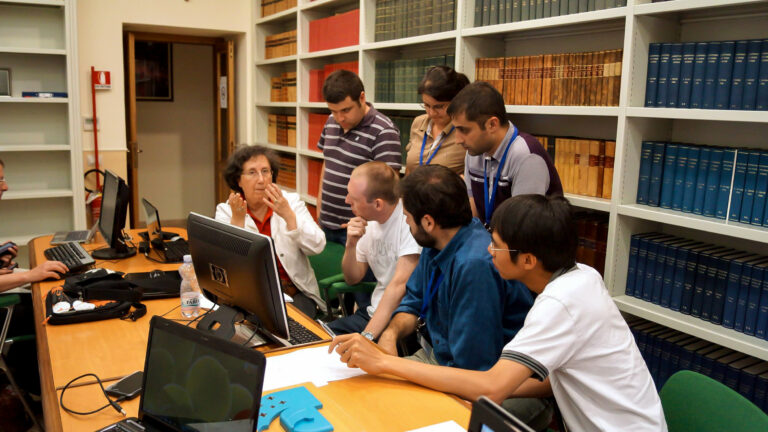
(313, 365)
(449, 426)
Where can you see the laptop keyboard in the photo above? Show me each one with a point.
(175, 250)
(71, 254)
(299, 334)
(77, 236)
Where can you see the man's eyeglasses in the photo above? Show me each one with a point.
(3, 180)
(436, 107)
(265, 173)
(493, 249)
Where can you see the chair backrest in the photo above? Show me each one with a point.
(694, 402)
(328, 262)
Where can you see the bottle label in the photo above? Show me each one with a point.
(190, 301)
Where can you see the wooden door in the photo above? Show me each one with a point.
(224, 62)
(130, 122)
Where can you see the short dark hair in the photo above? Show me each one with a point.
(540, 225)
(381, 181)
(439, 192)
(340, 84)
(442, 83)
(243, 154)
(478, 101)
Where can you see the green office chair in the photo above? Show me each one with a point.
(327, 268)
(7, 302)
(339, 289)
(694, 402)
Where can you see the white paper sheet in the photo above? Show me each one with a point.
(449, 426)
(313, 365)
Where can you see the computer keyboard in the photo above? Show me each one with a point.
(73, 255)
(175, 250)
(299, 334)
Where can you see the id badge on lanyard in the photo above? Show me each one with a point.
(491, 200)
(422, 333)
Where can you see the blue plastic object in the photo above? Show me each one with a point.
(298, 411)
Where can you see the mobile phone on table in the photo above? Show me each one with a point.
(128, 387)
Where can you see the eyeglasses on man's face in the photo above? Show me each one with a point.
(264, 172)
(494, 249)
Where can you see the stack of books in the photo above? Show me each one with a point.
(724, 286)
(587, 78)
(335, 31)
(315, 129)
(287, 175)
(314, 169)
(718, 182)
(585, 166)
(397, 19)
(317, 78)
(490, 12)
(667, 351)
(283, 88)
(269, 7)
(280, 45)
(397, 80)
(593, 238)
(281, 130)
(726, 75)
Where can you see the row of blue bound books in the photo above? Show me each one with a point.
(721, 285)
(726, 75)
(717, 182)
(667, 351)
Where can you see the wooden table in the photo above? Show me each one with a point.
(114, 348)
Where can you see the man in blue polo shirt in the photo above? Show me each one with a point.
(501, 161)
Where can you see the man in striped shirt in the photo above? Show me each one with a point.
(354, 134)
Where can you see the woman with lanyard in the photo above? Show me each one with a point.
(432, 141)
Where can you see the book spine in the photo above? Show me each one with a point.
(699, 71)
(761, 329)
(762, 81)
(632, 265)
(668, 280)
(610, 152)
(726, 177)
(663, 80)
(701, 181)
(668, 176)
(686, 75)
(721, 284)
(659, 271)
(745, 280)
(700, 282)
(751, 74)
(679, 180)
(657, 170)
(761, 186)
(651, 84)
(737, 80)
(710, 288)
(673, 82)
(713, 181)
(689, 282)
(739, 177)
(691, 172)
(750, 184)
(643, 181)
(681, 261)
(753, 299)
(710, 75)
(642, 262)
(732, 292)
(724, 75)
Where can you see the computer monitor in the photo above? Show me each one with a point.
(238, 267)
(154, 228)
(114, 208)
(487, 416)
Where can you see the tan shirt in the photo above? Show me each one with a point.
(450, 153)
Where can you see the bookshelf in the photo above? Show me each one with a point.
(630, 28)
(39, 137)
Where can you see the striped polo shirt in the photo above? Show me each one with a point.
(528, 169)
(374, 138)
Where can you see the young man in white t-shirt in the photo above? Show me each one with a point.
(377, 237)
(574, 344)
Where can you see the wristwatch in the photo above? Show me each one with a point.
(368, 335)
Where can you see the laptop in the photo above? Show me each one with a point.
(487, 416)
(79, 236)
(196, 382)
(169, 251)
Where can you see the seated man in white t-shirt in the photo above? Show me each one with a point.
(574, 344)
(377, 237)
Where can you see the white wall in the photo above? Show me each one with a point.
(100, 26)
(176, 165)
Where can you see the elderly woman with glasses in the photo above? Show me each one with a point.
(432, 141)
(257, 204)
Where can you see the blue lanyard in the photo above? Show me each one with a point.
(431, 290)
(489, 202)
(424, 144)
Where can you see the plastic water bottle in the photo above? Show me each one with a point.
(190, 290)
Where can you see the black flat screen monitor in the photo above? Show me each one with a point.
(238, 267)
(114, 208)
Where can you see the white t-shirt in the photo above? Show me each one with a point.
(575, 334)
(381, 246)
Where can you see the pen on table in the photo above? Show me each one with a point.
(326, 328)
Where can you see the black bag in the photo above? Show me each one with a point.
(96, 285)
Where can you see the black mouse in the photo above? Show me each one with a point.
(61, 277)
(154, 274)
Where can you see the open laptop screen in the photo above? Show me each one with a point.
(195, 382)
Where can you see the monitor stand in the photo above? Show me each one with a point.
(109, 253)
(166, 235)
(221, 322)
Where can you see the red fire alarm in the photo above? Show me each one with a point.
(101, 80)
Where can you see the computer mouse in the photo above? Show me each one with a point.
(156, 274)
(174, 238)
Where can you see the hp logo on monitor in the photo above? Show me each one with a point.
(219, 275)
